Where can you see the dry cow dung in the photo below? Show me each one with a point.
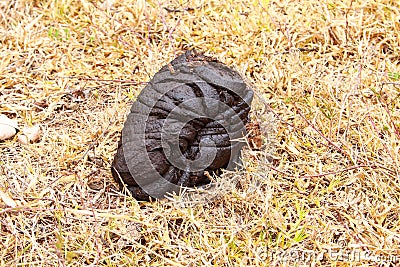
(188, 121)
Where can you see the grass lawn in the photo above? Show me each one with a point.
(323, 190)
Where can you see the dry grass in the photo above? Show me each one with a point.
(328, 70)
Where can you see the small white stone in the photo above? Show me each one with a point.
(8, 127)
(30, 135)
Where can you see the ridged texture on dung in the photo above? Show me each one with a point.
(186, 121)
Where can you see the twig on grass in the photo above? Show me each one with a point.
(105, 80)
(323, 174)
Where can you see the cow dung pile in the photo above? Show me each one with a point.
(188, 123)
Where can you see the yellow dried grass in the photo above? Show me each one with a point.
(329, 185)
